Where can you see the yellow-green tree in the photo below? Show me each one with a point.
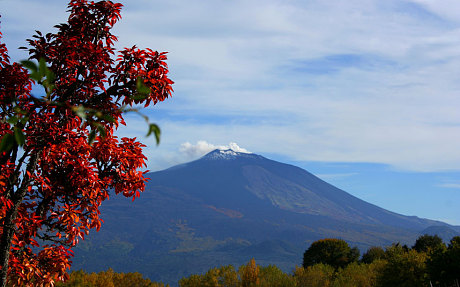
(404, 269)
(318, 275)
(194, 280)
(272, 276)
(214, 277)
(359, 275)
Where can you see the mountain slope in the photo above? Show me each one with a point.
(228, 207)
(247, 181)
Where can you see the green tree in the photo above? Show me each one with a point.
(334, 252)
(395, 249)
(404, 268)
(437, 268)
(228, 276)
(452, 261)
(354, 254)
(272, 276)
(357, 275)
(372, 254)
(429, 243)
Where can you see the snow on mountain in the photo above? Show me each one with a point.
(226, 154)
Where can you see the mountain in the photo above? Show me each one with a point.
(228, 207)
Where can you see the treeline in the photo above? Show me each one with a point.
(326, 263)
(251, 274)
(332, 263)
(108, 278)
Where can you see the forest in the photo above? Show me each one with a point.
(326, 263)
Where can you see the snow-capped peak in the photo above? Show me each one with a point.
(228, 154)
(222, 154)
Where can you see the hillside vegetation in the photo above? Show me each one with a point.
(326, 263)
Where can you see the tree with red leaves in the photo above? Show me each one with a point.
(59, 155)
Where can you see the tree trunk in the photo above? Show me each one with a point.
(11, 215)
(5, 243)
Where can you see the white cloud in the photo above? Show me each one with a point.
(239, 59)
(202, 147)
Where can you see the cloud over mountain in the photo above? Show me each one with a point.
(203, 147)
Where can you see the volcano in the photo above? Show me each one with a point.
(228, 207)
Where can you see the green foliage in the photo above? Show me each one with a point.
(318, 275)
(223, 276)
(41, 74)
(248, 275)
(358, 275)
(395, 249)
(444, 267)
(334, 252)
(453, 259)
(155, 129)
(372, 254)
(404, 269)
(436, 268)
(429, 243)
(108, 279)
(354, 254)
(396, 266)
(272, 276)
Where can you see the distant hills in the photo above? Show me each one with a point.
(228, 207)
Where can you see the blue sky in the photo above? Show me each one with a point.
(364, 94)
